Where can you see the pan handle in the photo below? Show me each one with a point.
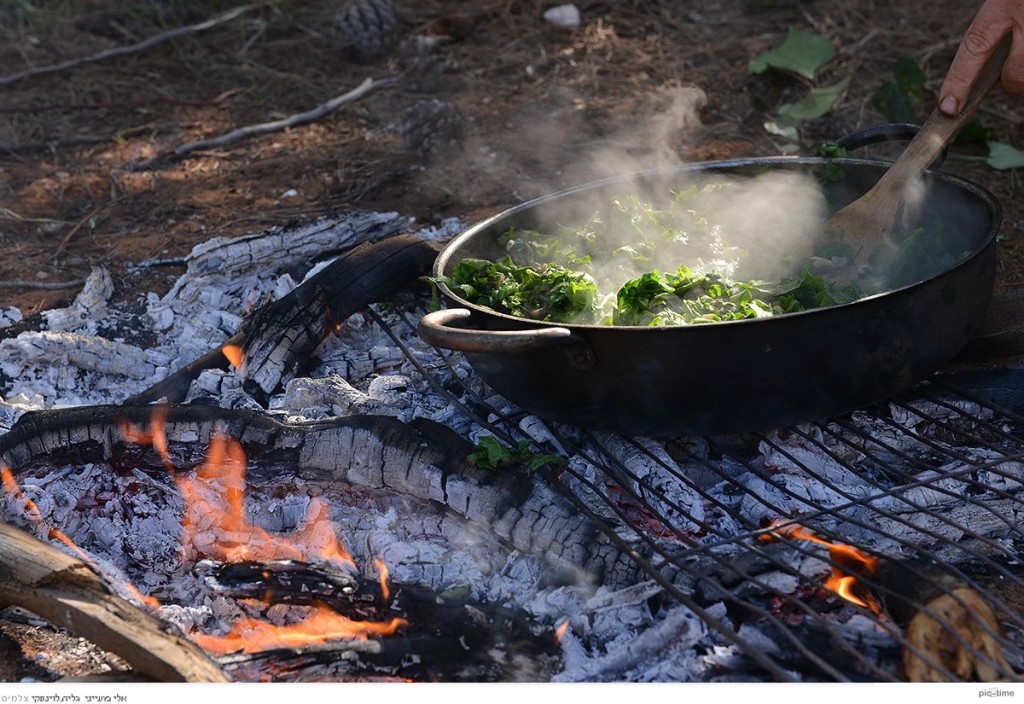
(892, 132)
(436, 329)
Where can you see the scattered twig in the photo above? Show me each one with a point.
(248, 131)
(12, 215)
(44, 285)
(80, 141)
(119, 105)
(123, 50)
(76, 227)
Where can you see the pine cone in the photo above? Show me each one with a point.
(430, 127)
(367, 30)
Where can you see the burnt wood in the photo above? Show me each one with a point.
(279, 339)
(422, 459)
(447, 637)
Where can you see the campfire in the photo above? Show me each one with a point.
(338, 501)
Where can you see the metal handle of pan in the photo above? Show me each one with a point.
(892, 132)
(436, 329)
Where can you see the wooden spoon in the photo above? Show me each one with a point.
(869, 220)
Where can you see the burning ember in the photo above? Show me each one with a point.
(214, 527)
(253, 635)
(214, 523)
(850, 565)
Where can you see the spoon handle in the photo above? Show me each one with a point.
(939, 129)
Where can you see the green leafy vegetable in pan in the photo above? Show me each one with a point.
(541, 292)
(552, 277)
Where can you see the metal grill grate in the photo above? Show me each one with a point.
(931, 485)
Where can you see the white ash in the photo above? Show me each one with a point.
(923, 413)
(651, 650)
(653, 474)
(224, 387)
(360, 370)
(89, 308)
(9, 316)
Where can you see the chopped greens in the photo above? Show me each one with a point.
(554, 293)
(553, 277)
(541, 291)
(490, 453)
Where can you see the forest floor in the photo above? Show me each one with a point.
(474, 107)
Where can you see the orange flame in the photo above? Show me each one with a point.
(252, 635)
(560, 630)
(32, 513)
(846, 585)
(155, 436)
(382, 569)
(234, 354)
(215, 524)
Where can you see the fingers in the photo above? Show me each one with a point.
(1013, 69)
(990, 25)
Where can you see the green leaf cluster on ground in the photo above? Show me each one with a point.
(802, 54)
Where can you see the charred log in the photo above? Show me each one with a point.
(280, 338)
(422, 459)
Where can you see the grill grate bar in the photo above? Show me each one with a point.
(674, 589)
(753, 549)
(886, 478)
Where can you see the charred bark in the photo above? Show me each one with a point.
(422, 459)
(279, 339)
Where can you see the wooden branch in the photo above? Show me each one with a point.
(42, 285)
(123, 50)
(67, 593)
(237, 135)
(79, 141)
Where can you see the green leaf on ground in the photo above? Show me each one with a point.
(909, 76)
(894, 104)
(802, 53)
(1002, 156)
(490, 453)
(898, 99)
(815, 104)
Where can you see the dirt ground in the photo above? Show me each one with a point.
(475, 106)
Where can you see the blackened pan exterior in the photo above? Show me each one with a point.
(752, 374)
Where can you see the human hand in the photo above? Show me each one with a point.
(993, 21)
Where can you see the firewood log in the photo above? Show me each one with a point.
(973, 655)
(66, 592)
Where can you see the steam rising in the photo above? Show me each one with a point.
(763, 225)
